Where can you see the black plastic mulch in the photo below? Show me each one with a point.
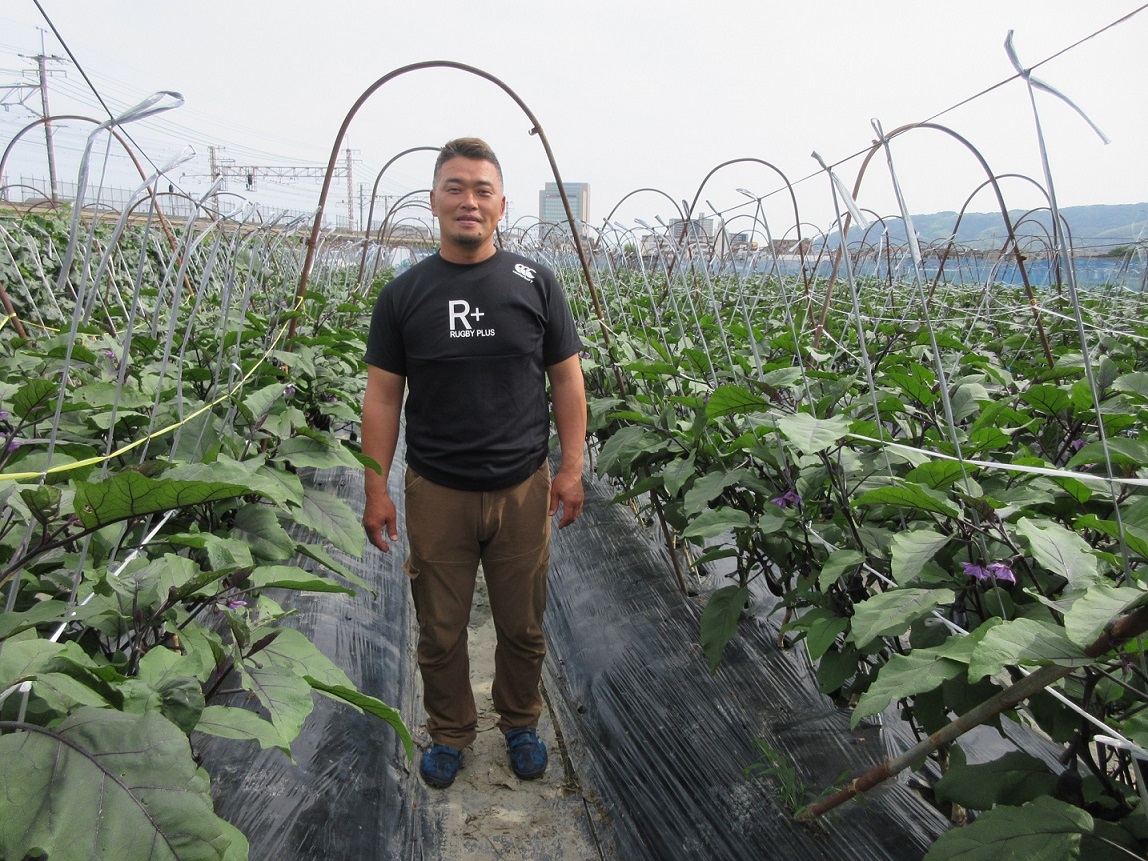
(663, 743)
(659, 744)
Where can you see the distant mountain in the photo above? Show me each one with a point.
(1097, 227)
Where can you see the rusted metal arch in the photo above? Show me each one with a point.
(395, 207)
(788, 185)
(630, 194)
(371, 208)
(536, 129)
(1011, 237)
(42, 120)
(122, 142)
(964, 208)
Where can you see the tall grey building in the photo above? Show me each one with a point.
(550, 209)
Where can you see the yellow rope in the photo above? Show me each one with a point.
(91, 461)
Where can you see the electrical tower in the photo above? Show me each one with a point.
(226, 168)
(20, 93)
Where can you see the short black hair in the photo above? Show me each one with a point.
(474, 148)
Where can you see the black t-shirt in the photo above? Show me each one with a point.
(474, 342)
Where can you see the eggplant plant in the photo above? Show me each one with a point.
(936, 507)
(156, 436)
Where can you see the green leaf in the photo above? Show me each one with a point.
(332, 519)
(148, 584)
(130, 494)
(1090, 614)
(1042, 830)
(281, 690)
(719, 621)
(1048, 399)
(323, 557)
(733, 400)
(838, 562)
(1134, 383)
(909, 496)
(40, 613)
(1135, 536)
(1061, 552)
(223, 554)
(916, 382)
(623, 448)
(714, 522)
(936, 474)
(117, 785)
(904, 676)
(836, 667)
(273, 484)
(63, 694)
(821, 626)
(202, 647)
(1015, 778)
(43, 502)
(24, 659)
(676, 473)
(707, 488)
(1023, 641)
(291, 577)
(259, 403)
(967, 399)
(240, 724)
(890, 614)
(291, 649)
(1121, 451)
(368, 704)
(912, 550)
(257, 526)
(306, 451)
(811, 434)
(32, 401)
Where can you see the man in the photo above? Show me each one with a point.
(472, 333)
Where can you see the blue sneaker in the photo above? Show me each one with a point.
(440, 765)
(527, 752)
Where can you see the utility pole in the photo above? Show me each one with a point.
(45, 113)
(41, 65)
(350, 193)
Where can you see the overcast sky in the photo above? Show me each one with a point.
(630, 94)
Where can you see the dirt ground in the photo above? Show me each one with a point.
(488, 812)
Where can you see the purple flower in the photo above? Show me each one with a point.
(1002, 572)
(233, 604)
(288, 391)
(1076, 444)
(3, 415)
(997, 571)
(787, 500)
(14, 444)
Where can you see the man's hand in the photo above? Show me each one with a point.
(380, 514)
(566, 491)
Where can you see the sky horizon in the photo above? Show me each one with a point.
(631, 96)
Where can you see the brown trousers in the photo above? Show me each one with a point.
(450, 532)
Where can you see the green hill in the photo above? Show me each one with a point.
(1097, 226)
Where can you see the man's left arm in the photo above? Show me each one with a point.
(568, 393)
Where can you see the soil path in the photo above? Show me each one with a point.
(489, 813)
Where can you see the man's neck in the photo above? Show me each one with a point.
(452, 253)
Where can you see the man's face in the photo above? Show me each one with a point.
(468, 201)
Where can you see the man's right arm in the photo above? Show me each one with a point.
(382, 408)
